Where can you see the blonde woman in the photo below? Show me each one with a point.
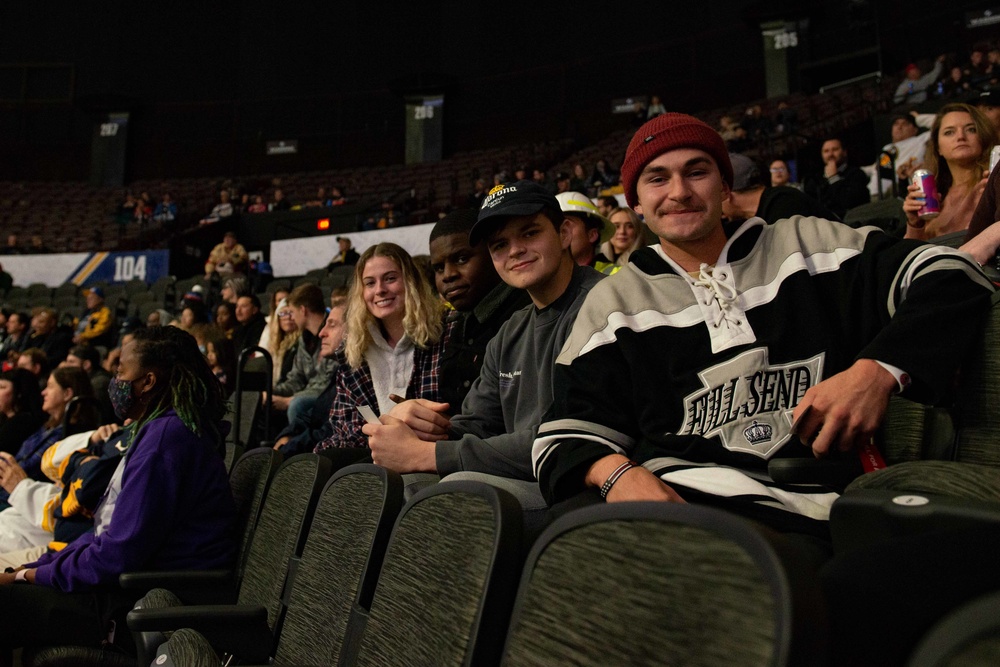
(395, 335)
(285, 336)
(628, 236)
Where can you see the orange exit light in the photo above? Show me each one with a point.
(323, 224)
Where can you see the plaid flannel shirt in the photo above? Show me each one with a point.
(355, 387)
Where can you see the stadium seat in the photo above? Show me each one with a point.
(444, 592)
(968, 636)
(278, 536)
(338, 569)
(663, 584)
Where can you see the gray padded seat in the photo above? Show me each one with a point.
(338, 569)
(646, 584)
(968, 637)
(277, 537)
(444, 593)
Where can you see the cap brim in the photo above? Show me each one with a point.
(489, 222)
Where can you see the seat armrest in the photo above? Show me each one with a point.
(238, 629)
(864, 517)
(191, 586)
(833, 473)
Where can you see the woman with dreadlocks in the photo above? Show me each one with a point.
(168, 506)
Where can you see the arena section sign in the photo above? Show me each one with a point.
(81, 268)
(295, 257)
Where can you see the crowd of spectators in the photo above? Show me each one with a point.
(454, 375)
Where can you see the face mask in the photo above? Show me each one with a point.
(122, 396)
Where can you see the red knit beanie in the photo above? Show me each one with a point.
(665, 133)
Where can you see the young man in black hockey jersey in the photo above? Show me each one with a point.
(720, 353)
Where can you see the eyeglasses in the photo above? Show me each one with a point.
(778, 170)
(285, 314)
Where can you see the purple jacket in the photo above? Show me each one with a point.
(175, 511)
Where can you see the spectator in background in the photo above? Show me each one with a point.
(166, 210)
(337, 197)
(542, 180)
(311, 372)
(781, 174)
(733, 134)
(786, 119)
(655, 107)
(521, 172)
(478, 192)
(756, 124)
(562, 183)
(221, 358)
(958, 155)
(578, 182)
(227, 257)
(749, 197)
(913, 89)
(225, 318)
(603, 176)
(628, 237)
(840, 187)
(48, 336)
(17, 328)
(283, 339)
(587, 228)
(233, 288)
(606, 204)
(955, 84)
(907, 147)
(34, 360)
(976, 70)
(265, 336)
(12, 247)
(988, 103)
(347, 256)
(62, 385)
(250, 323)
(20, 408)
(224, 209)
(6, 281)
(192, 314)
(258, 205)
(126, 210)
(313, 426)
(88, 358)
(280, 201)
(158, 318)
(96, 326)
(143, 211)
(320, 199)
(38, 246)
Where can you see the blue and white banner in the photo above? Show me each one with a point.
(83, 268)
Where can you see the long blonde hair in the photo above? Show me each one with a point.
(608, 250)
(938, 166)
(423, 308)
(280, 342)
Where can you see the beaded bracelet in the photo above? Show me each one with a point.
(613, 477)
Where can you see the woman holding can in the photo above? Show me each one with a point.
(957, 157)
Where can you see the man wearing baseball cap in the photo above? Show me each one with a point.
(776, 341)
(96, 325)
(528, 240)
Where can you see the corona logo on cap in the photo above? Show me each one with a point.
(496, 188)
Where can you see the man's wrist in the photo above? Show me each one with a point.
(601, 469)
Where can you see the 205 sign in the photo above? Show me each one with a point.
(786, 40)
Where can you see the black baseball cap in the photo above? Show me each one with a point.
(507, 201)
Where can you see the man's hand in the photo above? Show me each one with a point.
(395, 446)
(844, 411)
(634, 484)
(10, 472)
(830, 168)
(281, 402)
(281, 442)
(427, 419)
